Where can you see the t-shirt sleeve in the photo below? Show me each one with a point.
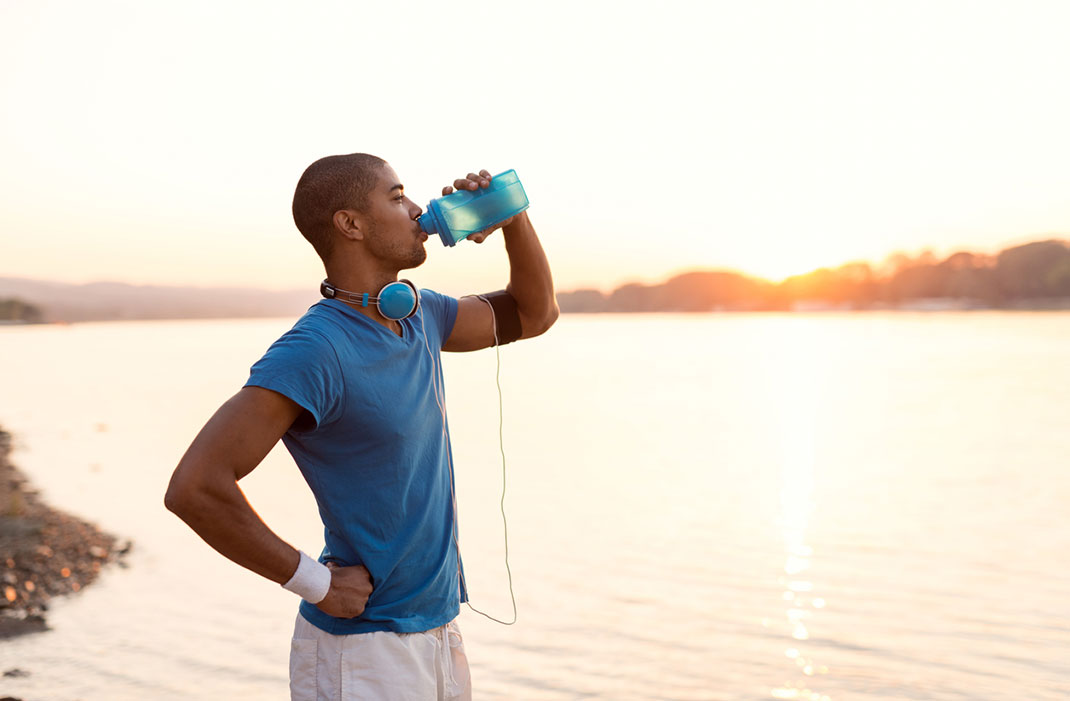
(442, 309)
(303, 366)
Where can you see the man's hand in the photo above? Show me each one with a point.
(473, 182)
(530, 281)
(349, 592)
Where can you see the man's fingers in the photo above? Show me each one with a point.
(447, 190)
(482, 179)
(473, 181)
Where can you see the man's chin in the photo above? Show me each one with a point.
(416, 260)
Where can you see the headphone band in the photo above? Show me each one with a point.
(396, 301)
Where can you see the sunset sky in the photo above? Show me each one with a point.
(159, 143)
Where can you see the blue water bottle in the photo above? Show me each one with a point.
(462, 213)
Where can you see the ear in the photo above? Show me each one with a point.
(348, 222)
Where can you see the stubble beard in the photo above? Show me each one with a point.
(400, 255)
(419, 255)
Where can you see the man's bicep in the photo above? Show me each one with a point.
(473, 328)
(242, 432)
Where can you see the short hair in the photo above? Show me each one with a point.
(328, 185)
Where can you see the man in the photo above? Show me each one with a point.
(354, 392)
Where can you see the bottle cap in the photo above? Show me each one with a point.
(432, 223)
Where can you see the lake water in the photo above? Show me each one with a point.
(827, 506)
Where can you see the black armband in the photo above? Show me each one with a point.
(506, 316)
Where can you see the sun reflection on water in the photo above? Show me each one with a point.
(795, 369)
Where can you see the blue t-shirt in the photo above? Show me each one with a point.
(371, 445)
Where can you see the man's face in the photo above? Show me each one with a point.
(391, 232)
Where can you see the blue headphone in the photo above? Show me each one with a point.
(396, 301)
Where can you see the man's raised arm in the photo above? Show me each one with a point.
(530, 283)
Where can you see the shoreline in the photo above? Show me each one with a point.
(44, 552)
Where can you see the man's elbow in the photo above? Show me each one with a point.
(176, 499)
(183, 498)
(536, 326)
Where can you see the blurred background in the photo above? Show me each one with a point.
(800, 435)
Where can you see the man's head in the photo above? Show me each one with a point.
(357, 198)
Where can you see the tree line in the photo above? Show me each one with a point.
(1035, 274)
(17, 310)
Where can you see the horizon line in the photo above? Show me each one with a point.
(665, 276)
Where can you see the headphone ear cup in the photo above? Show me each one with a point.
(398, 300)
(415, 296)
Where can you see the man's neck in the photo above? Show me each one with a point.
(369, 283)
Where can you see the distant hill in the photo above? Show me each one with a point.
(698, 291)
(1031, 276)
(109, 301)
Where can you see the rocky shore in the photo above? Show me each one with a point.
(44, 553)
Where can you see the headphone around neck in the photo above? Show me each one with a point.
(396, 301)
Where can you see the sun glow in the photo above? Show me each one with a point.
(781, 256)
(775, 268)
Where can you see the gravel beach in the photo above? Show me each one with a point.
(44, 553)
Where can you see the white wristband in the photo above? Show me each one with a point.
(311, 581)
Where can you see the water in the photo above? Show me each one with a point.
(700, 507)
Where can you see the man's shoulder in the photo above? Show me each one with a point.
(311, 335)
(320, 323)
(442, 307)
(433, 293)
(303, 365)
(429, 296)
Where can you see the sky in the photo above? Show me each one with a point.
(159, 143)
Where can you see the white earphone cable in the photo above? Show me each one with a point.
(440, 401)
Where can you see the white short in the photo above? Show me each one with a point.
(379, 666)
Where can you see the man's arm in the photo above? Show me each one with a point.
(204, 493)
(530, 282)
